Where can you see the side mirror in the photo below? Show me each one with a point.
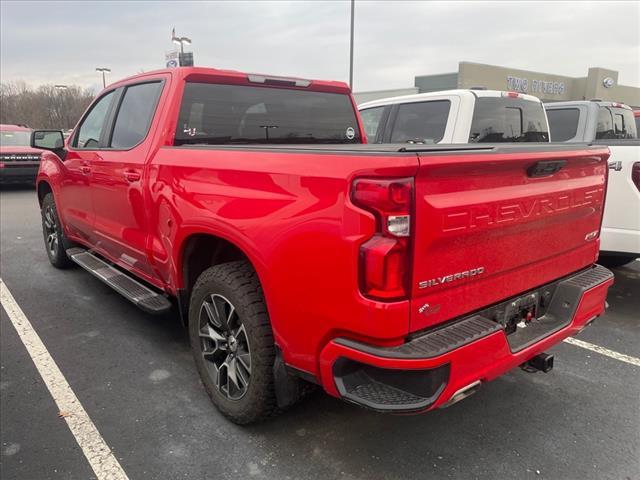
(47, 140)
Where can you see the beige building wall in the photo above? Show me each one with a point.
(599, 83)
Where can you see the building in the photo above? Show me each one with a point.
(599, 83)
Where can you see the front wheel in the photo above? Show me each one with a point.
(54, 239)
(232, 342)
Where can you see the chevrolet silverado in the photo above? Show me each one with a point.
(397, 277)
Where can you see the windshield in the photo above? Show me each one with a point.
(235, 114)
(506, 119)
(11, 138)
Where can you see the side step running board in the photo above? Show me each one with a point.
(134, 291)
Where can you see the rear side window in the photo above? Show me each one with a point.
(371, 121)
(506, 119)
(421, 122)
(624, 125)
(563, 123)
(236, 114)
(91, 128)
(135, 114)
(637, 125)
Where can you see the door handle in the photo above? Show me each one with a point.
(131, 175)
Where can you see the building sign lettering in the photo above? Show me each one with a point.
(524, 85)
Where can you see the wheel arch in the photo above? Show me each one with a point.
(42, 189)
(202, 249)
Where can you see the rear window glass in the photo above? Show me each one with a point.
(604, 129)
(421, 122)
(236, 114)
(370, 121)
(624, 125)
(506, 119)
(563, 123)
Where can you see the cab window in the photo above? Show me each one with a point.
(624, 125)
(604, 128)
(421, 122)
(563, 123)
(135, 114)
(371, 121)
(500, 119)
(90, 130)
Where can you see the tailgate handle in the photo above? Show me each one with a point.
(545, 168)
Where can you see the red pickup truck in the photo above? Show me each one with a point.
(397, 277)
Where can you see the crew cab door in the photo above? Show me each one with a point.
(74, 194)
(117, 187)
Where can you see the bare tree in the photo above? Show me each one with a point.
(43, 107)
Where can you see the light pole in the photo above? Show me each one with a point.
(353, 6)
(59, 103)
(103, 70)
(182, 41)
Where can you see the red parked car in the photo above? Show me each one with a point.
(18, 161)
(397, 277)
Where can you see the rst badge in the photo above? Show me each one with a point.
(473, 272)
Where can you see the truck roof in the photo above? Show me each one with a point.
(589, 103)
(232, 76)
(459, 92)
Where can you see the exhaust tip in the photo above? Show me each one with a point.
(463, 393)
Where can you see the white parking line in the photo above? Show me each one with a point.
(99, 455)
(604, 351)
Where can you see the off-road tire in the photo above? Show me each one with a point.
(238, 282)
(52, 230)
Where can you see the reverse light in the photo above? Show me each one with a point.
(384, 258)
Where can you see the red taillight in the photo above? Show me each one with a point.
(384, 258)
(635, 175)
(511, 94)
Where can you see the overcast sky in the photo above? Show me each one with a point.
(63, 42)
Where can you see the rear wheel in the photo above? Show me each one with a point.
(54, 240)
(232, 342)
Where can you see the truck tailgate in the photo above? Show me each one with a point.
(492, 223)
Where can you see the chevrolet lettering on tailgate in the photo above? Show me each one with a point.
(497, 213)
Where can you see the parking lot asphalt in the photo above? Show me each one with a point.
(135, 377)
